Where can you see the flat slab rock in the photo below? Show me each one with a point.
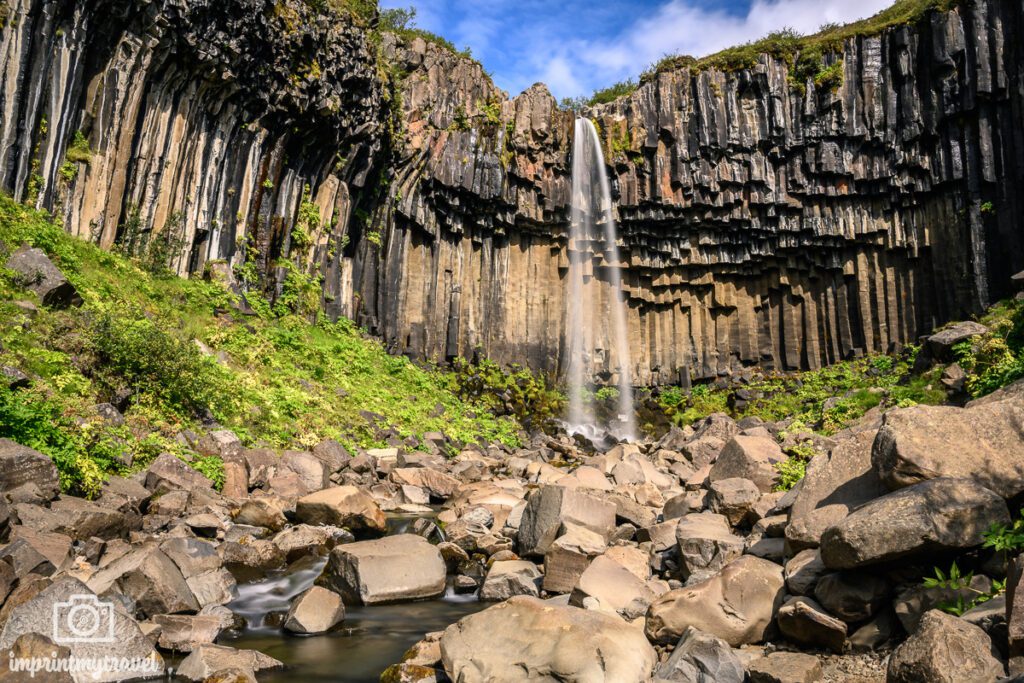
(529, 639)
(390, 569)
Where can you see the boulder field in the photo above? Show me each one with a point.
(674, 560)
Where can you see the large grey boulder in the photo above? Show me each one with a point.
(345, 506)
(552, 507)
(749, 457)
(186, 632)
(706, 544)
(21, 465)
(168, 473)
(317, 610)
(945, 649)
(982, 443)
(92, 629)
(736, 605)
(614, 587)
(508, 578)
(150, 578)
(834, 486)
(733, 498)
(390, 569)
(941, 344)
(937, 515)
(701, 658)
(77, 518)
(37, 273)
(528, 639)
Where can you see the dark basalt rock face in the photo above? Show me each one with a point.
(761, 222)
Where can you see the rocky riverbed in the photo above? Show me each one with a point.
(676, 560)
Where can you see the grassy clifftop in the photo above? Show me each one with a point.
(179, 356)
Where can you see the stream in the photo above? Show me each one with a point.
(371, 638)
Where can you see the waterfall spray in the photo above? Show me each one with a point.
(591, 202)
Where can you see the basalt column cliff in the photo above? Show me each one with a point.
(764, 221)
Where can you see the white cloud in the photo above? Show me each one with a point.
(576, 47)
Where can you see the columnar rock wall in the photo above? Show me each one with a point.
(761, 222)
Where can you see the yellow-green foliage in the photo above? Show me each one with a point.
(854, 387)
(997, 358)
(278, 380)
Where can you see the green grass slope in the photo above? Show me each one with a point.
(274, 378)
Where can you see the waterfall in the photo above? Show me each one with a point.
(585, 320)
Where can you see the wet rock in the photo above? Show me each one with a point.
(785, 667)
(749, 457)
(941, 514)
(390, 569)
(701, 658)
(344, 506)
(706, 544)
(805, 622)
(20, 465)
(317, 610)
(552, 507)
(526, 638)
(928, 442)
(112, 631)
(736, 605)
(208, 660)
(945, 649)
(507, 579)
(37, 273)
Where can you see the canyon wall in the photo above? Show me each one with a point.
(762, 221)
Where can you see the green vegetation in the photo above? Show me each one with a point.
(826, 400)
(514, 392)
(997, 358)
(601, 96)
(180, 354)
(788, 45)
(965, 595)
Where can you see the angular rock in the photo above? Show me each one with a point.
(706, 544)
(20, 465)
(749, 457)
(186, 632)
(936, 515)
(834, 486)
(733, 498)
(345, 506)
(805, 622)
(390, 569)
(852, 596)
(941, 344)
(803, 572)
(263, 511)
(150, 578)
(317, 610)
(38, 274)
(528, 639)
(26, 648)
(945, 649)
(928, 442)
(512, 577)
(615, 588)
(701, 658)
(439, 484)
(552, 507)
(168, 473)
(736, 605)
(207, 660)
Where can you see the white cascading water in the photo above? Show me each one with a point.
(592, 200)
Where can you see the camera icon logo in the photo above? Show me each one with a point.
(83, 619)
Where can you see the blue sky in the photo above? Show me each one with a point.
(576, 46)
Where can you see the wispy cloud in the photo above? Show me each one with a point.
(576, 46)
